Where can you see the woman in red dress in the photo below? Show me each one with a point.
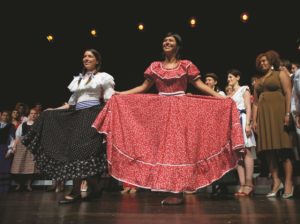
(163, 142)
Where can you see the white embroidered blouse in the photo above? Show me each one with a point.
(100, 86)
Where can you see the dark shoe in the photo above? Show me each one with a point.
(69, 200)
(18, 188)
(50, 189)
(172, 200)
(28, 188)
(59, 189)
(91, 196)
(218, 190)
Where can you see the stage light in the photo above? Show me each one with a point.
(50, 38)
(244, 17)
(94, 33)
(193, 22)
(141, 27)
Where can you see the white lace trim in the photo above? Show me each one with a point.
(178, 93)
(100, 78)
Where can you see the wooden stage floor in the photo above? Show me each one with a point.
(40, 207)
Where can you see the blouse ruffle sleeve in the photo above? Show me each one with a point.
(149, 73)
(73, 86)
(108, 86)
(244, 89)
(192, 70)
(73, 99)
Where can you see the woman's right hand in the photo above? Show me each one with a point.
(49, 109)
(298, 120)
(220, 96)
(14, 149)
(248, 131)
(254, 126)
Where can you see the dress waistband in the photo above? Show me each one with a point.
(243, 111)
(178, 93)
(86, 104)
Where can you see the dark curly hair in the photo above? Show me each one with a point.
(273, 58)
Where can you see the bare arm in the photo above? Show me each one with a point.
(65, 106)
(254, 110)
(287, 89)
(298, 121)
(202, 87)
(144, 87)
(17, 141)
(248, 112)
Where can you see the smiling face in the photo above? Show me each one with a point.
(209, 81)
(89, 61)
(264, 64)
(170, 46)
(232, 80)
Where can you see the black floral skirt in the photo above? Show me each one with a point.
(65, 145)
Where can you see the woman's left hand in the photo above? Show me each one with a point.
(248, 130)
(298, 120)
(222, 97)
(286, 120)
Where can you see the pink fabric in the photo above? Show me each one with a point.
(170, 143)
(172, 80)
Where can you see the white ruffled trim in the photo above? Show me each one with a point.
(99, 79)
(158, 70)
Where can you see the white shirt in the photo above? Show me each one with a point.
(238, 97)
(20, 129)
(2, 124)
(222, 93)
(295, 104)
(101, 85)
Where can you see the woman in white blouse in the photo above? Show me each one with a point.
(62, 140)
(241, 96)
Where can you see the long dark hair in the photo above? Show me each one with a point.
(98, 66)
(234, 72)
(178, 42)
(99, 59)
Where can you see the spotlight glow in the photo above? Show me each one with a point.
(94, 32)
(50, 38)
(244, 17)
(141, 27)
(193, 22)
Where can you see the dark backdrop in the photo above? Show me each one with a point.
(35, 71)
